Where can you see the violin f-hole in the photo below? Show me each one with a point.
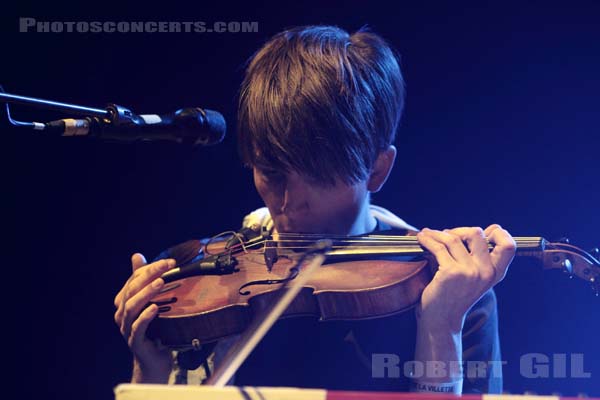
(293, 274)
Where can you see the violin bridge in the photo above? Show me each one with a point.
(270, 257)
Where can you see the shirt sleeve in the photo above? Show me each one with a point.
(482, 365)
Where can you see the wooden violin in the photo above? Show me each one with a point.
(368, 276)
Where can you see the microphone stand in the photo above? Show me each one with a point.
(114, 114)
(54, 105)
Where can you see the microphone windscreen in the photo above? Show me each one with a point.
(216, 128)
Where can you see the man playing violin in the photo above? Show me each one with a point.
(317, 118)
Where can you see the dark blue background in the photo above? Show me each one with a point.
(501, 125)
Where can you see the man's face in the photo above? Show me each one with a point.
(300, 205)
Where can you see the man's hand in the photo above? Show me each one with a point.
(152, 363)
(467, 269)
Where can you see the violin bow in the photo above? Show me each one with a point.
(265, 319)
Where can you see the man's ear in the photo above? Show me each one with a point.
(381, 169)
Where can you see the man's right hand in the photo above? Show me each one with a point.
(152, 362)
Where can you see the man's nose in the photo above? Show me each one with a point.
(294, 194)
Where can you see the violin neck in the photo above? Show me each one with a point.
(533, 244)
(408, 245)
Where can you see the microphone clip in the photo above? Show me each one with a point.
(119, 115)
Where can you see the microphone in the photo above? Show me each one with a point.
(195, 126)
(223, 264)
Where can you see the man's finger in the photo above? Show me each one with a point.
(474, 238)
(488, 231)
(453, 244)
(140, 325)
(148, 274)
(435, 247)
(504, 251)
(138, 260)
(137, 302)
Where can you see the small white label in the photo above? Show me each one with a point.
(151, 118)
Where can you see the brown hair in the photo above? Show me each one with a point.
(321, 102)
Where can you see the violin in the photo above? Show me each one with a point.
(363, 277)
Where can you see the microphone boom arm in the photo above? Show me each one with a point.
(54, 105)
(194, 126)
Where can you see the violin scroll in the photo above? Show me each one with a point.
(574, 261)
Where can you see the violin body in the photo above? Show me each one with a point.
(203, 309)
(363, 277)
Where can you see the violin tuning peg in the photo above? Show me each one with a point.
(567, 266)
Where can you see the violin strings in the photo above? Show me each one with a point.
(344, 239)
(314, 236)
(362, 242)
(368, 247)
